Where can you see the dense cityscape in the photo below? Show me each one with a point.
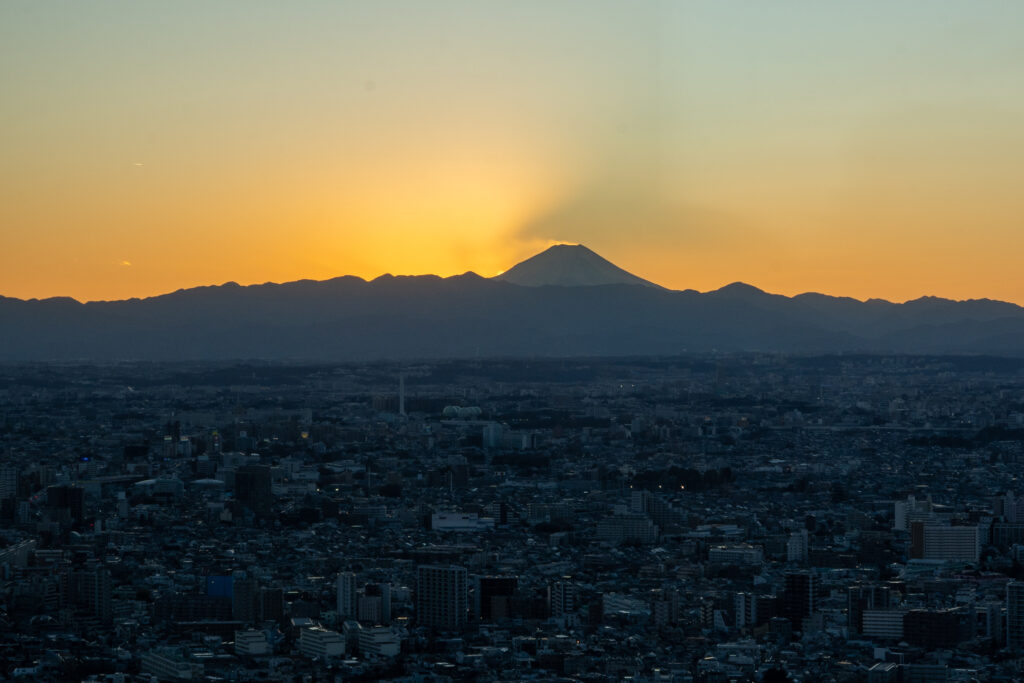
(704, 518)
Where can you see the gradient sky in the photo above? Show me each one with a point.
(867, 149)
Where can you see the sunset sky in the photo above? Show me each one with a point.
(866, 149)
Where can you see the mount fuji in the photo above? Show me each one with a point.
(569, 265)
(565, 301)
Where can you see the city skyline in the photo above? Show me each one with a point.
(867, 150)
(853, 517)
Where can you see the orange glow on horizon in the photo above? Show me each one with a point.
(866, 150)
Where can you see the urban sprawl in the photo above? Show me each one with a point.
(704, 518)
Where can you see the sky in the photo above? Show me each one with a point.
(864, 149)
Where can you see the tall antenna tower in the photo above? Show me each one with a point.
(401, 394)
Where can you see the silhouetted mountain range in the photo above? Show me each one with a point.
(566, 301)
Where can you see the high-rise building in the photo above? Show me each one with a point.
(92, 590)
(374, 605)
(797, 547)
(384, 590)
(271, 604)
(885, 624)
(1015, 614)
(1010, 508)
(627, 527)
(941, 542)
(753, 609)
(8, 482)
(493, 597)
(858, 599)
(442, 596)
(989, 621)
(865, 597)
(905, 512)
(368, 609)
(345, 588)
(252, 489)
(666, 607)
(561, 597)
(803, 590)
(746, 610)
(244, 598)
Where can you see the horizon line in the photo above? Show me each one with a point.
(734, 284)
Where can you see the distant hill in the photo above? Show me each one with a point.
(566, 301)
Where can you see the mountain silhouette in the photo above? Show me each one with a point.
(566, 301)
(569, 265)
